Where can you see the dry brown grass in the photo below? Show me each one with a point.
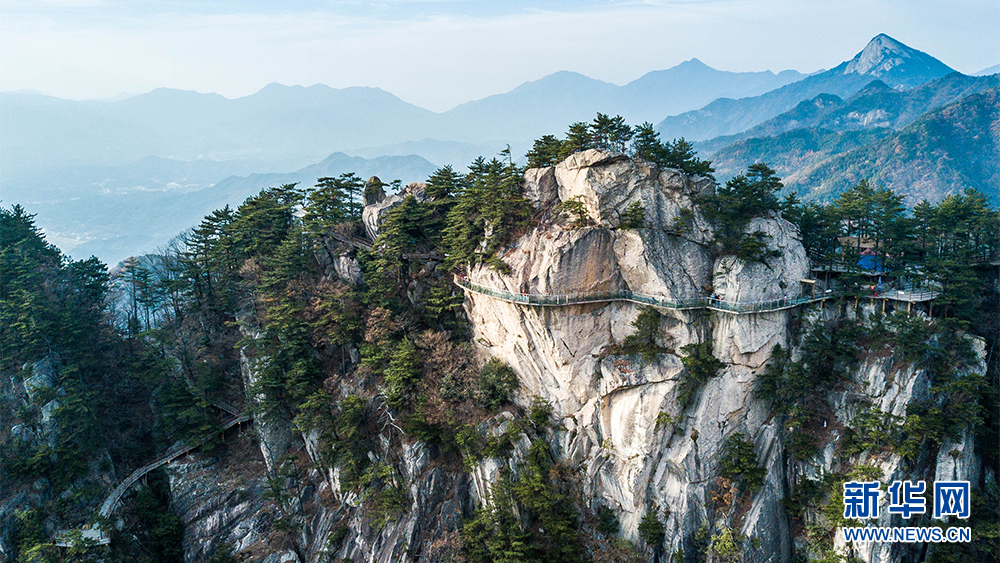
(448, 367)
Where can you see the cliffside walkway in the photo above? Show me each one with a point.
(563, 299)
(97, 537)
(176, 451)
(731, 307)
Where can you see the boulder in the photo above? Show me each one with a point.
(374, 191)
(540, 187)
(373, 214)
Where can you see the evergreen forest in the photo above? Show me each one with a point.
(119, 365)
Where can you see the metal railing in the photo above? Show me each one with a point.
(912, 296)
(176, 451)
(62, 538)
(562, 299)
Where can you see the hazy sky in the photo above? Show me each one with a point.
(440, 53)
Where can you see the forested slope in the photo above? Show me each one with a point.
(398, 417)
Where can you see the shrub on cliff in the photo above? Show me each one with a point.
(701, 365)
(651, 530)
(497, 381)
(634, 216)
(739, 463)
(647, 331)
(574, 210)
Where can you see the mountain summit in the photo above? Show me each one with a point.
(883, 58)
(904, 66)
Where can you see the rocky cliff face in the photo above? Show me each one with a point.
(891, 386)
(29, 403)
(374, 213)
(623, 425)
(641, 434)
(298, 513)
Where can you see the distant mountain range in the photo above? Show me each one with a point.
(883, 58)
(117, 177)
(988, 71)
(943, 152)
(282, 126)
(278, 127)
(549, 105)
(876, 105)
(292, 126)
(828, 125)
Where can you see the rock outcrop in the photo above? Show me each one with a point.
(230, 500)
(611, 405)
(638, 447)
(642, 431)
(374, 214)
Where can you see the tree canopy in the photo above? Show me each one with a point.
(613, 134)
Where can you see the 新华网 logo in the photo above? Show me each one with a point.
(862, 501)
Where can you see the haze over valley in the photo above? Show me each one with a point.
(116, 178)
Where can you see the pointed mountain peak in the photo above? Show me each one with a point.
(694, 62)
(879, 55)
(896, 63)
(883, 53)
(887, 43)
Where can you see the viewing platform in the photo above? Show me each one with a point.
(905, 296)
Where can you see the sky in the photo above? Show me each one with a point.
(440, 53)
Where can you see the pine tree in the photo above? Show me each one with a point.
(890, 230)
(545, 151)
(681, 154)
(443, 184)
(208, 259)
(651, 529)
(333, 201)
(963, 232)
(602, 132)
(621, 134)
(487, 213)
(748, 195)
(402, 374)
(854, 209)
(578, 138)
(818, 228)
(261, 223)
(634, 216)
(646, 144)
(442, 187)
(610, 133)
(398, 235)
